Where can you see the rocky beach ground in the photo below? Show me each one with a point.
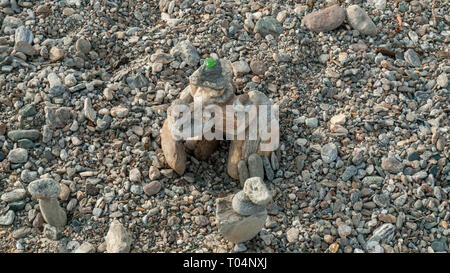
(364, 123)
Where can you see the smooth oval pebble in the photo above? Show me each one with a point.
(325, 20)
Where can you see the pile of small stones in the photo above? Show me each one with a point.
(363, 163)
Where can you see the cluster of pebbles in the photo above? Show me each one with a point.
(363, 162)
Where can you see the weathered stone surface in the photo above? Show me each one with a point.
(244, 206)
(325, 20)
(118, 239)
(187, 52)
(257, 191)
(202, 149)
(235, 227)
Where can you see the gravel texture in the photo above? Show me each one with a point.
(364, 126)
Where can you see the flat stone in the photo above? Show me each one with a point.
(256, 190)
(373, 180)
(268, 25)
(325, 20)
(412, 58)
(234, 227)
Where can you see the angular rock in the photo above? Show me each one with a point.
(325, 20)
(187, 52)
(118, 239)
(23, 34)
(58, 117)
(240, 68)
(392, 165)
(88, 111)
(7, 219)
(268, 25)
(384, 233)
(243, 172)
(412, 58)
(329, 152)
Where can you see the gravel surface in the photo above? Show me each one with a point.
(364, 125)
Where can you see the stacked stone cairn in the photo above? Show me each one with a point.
(240, 216)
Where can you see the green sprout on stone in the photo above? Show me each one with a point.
(210, 62)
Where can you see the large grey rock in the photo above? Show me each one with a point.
(325, 20)
(234, 227)
(118, 239)
(360, 21)
(268, 25)
(187, 52)
(256, 190)
(244, 206)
